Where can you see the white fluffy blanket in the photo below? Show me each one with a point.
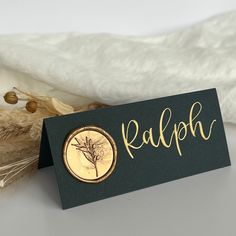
(119, 69)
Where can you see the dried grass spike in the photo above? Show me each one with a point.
(13, 130)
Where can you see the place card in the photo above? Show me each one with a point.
(110, 151)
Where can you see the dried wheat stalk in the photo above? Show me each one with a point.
(10, 171)
(13, 130)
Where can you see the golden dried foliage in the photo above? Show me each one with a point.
(20, 132)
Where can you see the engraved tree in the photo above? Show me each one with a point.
(91, 151)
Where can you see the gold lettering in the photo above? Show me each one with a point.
(198, 124)
(179, 131)
(125, 135)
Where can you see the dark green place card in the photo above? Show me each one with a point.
(110, 151)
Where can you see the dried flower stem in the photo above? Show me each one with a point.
(7, 172)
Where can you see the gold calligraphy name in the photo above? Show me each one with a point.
(178, 133)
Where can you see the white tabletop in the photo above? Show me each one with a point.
(204, 204)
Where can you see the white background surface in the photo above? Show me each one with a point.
(116, 16)
(200, 205)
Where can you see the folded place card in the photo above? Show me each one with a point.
(110, 151)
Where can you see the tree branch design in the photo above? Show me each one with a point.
(88, 148)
